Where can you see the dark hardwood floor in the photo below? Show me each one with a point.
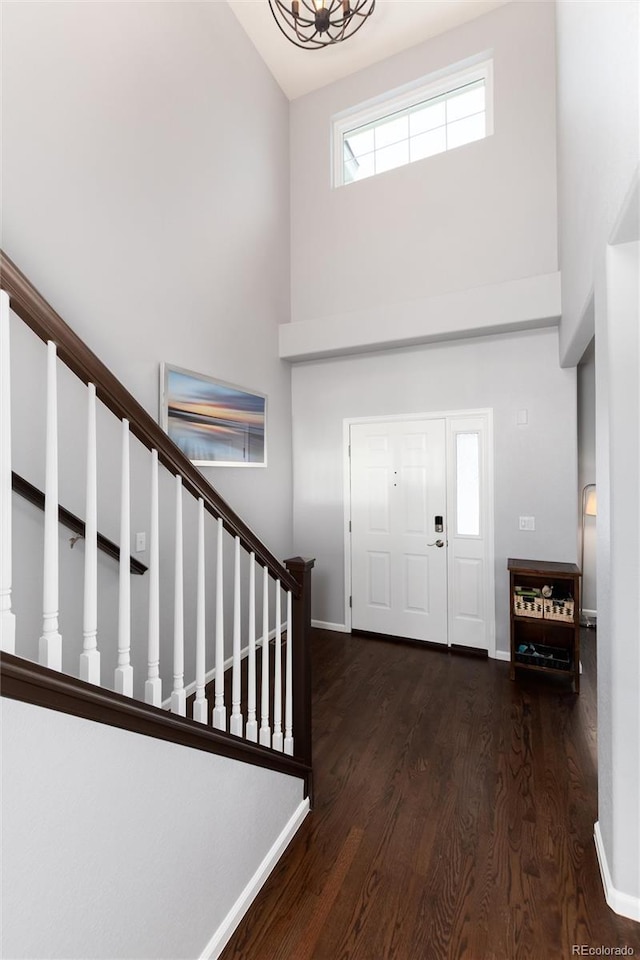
(453, 816)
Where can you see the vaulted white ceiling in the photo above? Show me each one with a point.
(393, 26)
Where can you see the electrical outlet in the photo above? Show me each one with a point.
(527, 523)
(141, 542)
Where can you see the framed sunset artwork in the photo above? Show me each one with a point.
(214, 423)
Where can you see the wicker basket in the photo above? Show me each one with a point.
(559, 610)
(526, 607)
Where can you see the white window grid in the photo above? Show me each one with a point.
(395, 131)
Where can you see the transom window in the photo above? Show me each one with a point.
(425, 121)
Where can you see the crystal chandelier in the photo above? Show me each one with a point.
(312, 24)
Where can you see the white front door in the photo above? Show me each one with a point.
(399, 556)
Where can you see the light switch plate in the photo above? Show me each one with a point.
(141, 542)
(527, 523)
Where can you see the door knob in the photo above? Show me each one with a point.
(438, 543)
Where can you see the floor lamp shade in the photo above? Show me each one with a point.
(590, 500)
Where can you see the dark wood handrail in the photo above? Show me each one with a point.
(32, 683)
(27, 490)
(34, 310)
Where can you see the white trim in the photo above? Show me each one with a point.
(622, 903)
(346, 501)
(447, 415)
(336, 627)
(211, 674)
(503, 655)
(592, 614)
(511, 306)
(229, 925)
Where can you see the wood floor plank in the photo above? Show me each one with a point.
(453, 819)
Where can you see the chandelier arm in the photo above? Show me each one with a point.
(288, 16)
(357, 10)
(294, 27)
(339, 35)
(308, 5)
(308, 40)
(334, 28)
(364, 17)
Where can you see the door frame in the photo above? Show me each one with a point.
(487, 505)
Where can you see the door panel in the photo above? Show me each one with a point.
(398, 486)
(379, 580)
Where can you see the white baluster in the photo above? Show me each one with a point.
(90, 657)
(153, 684)
(276, 742)
(201, 705)
(288, 703)
(265, 729)
(219, 710)
(178, 694)
(252, 724)
(236, 723)
(50, 647)
(7, 617)
(124, 670)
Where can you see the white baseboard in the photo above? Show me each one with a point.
(211, 674)
(592, 614)
(502, 655)
(621, 903)
(232, 920)
(336, 627)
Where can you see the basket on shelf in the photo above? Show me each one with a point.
(540, 655)
(555, 609)
(527, 603)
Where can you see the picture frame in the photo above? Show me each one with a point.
(215, 423)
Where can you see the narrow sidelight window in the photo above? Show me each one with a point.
(468, 484)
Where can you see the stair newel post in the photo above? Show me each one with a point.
(178, 694)
(50, 647)
(236, 714)
(219, 710)
(277, 741)
(201, 705)
(288, 702)
(7, 617)
(124, 670)
(265, 729)
(90, 657)
(300, 568)
(153, 684)
(251, 731)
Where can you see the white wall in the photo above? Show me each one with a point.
(618, 571)
(147, 197)
(119, 845)
(599, 150)
(598, 90)
(482, 214)
(535, 465)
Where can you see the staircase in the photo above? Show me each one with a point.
(149, 645)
